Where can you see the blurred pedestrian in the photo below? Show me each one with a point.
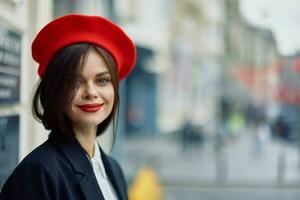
(81, 61)
(191, 136)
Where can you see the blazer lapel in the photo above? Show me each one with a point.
(81, 165)
(111, 172)
(90, 188)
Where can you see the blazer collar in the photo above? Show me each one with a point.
(80, 164)
(83, 168)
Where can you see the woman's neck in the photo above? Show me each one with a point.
(86, 137)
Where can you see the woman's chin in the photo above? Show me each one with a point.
(88, 123)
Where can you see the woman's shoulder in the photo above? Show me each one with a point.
(37, 161)
(34, 170)
(40, 161)
(41, 155)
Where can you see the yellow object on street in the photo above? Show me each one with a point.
(146, 186)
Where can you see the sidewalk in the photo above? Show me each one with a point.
(236, 165)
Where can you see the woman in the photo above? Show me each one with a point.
(81, 61)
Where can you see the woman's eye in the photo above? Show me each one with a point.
(103, 80)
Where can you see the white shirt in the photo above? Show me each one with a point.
(102, 179)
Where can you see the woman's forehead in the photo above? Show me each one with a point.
(94, 64)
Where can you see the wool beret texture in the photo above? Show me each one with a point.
(78, 28)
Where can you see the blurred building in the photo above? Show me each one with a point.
(191, 87)
(148, 23)
(215, 55)
(251, 58)
(19, 133)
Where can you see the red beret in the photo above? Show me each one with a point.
(77, 28)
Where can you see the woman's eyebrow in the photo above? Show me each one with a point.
(99, 74)
(102, 73)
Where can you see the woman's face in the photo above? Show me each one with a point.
(93, 100)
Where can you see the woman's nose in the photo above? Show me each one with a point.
(90, 92)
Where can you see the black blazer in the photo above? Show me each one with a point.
(60, 170)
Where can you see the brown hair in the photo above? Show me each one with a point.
(58, 85)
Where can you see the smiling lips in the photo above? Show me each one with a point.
(90, 107)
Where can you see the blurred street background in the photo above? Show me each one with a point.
(211, 110)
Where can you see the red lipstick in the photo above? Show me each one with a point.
(90, 107)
